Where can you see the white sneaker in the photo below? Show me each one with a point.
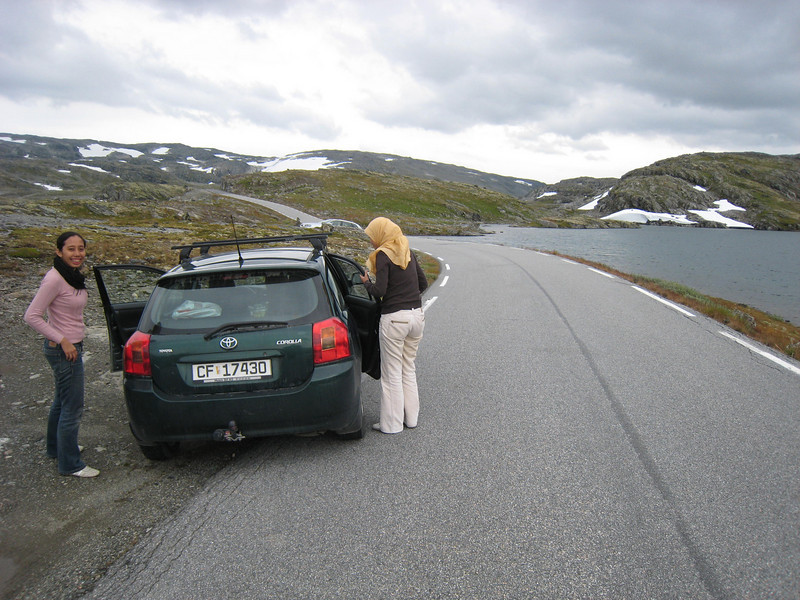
(377, 427)
(87, 472)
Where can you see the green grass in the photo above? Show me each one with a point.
(26, 253)
(419, 206)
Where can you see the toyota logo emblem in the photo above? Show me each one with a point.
(228, 343)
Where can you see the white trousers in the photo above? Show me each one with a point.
(400, 334)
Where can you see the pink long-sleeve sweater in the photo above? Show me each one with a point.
(62, 304)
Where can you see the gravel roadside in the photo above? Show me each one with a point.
(60, 534)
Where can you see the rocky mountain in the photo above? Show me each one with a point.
(747, 190)
(729, 189)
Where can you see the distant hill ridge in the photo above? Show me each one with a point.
(749, 190)
(155, 162)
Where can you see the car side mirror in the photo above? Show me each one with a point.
(356, 279)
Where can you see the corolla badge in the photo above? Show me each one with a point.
(228, 343)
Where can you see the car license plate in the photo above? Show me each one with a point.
(237, 370)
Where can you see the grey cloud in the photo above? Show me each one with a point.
(167, 91)
(261, 109)
(43, 59)
(720, 54)
(693, 67)
(471, 76)
(726, 71)
(178, 9)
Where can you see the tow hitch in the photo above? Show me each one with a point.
(229, 434)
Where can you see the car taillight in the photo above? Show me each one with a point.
(136, 355)
(331, 341)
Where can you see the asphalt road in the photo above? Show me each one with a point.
(286, 211)
(578, 439)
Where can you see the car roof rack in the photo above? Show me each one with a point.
(319, 241)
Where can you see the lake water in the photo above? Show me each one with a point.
(757, 268)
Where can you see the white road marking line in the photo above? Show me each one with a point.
(766, 355)
(428, 303)
(603, 273)
(571, 262)
(663, 301)
(444, 281)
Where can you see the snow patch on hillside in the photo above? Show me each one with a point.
(593, 204)
(296, 162)
(634, 215)
(50, 188)
(91, 168)
(100, 151)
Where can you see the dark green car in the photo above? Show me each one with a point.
(249, 343)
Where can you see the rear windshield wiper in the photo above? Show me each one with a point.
(248, 326)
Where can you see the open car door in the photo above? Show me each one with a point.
(124, 291)
(363, 308)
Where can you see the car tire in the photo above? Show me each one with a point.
(160, 451)
(357, 432)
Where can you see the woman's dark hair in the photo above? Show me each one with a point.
(62, 239)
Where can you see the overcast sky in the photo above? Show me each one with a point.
(541, 89)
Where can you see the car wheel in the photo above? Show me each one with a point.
(160, 451)
(357, 431)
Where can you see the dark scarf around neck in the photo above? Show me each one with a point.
(71, 275)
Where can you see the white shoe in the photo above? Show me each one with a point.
(377, 427)
(86, 472)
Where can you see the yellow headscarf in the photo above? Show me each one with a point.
(389, 239)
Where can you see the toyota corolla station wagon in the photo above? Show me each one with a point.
(245, 343)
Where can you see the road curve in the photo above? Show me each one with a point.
(578, 439)
(286, 211)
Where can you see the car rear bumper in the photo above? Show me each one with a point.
(330, 400)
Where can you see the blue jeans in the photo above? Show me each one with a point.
(67, 409)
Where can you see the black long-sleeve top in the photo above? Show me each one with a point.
(400, 289)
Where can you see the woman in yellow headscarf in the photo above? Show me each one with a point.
(399, 282)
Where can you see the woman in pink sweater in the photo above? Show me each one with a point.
(61, 298)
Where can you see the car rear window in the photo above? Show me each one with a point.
(208, 300)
